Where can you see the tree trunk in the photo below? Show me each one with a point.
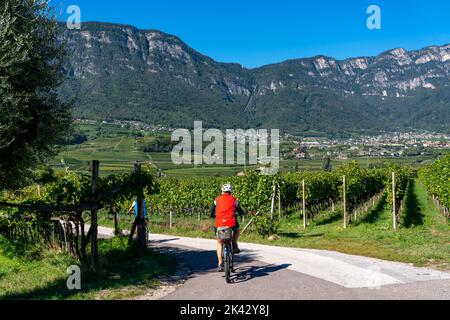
(116, 222)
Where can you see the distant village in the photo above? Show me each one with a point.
(393, 144)
(133, 125)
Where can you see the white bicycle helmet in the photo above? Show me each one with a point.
(227, 187)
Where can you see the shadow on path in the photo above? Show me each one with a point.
(329, 218)
(375, 213)
(249, 272)
(296, 235)
(163, 240)
(203, 262)
(412, 215)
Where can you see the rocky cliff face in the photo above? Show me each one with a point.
(396, 73)
(108, 48)
(118, 71)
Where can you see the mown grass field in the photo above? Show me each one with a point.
(423, 238)
(33, 272)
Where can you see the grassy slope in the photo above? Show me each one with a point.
(423, 238)
(28, 272)
(23, 271)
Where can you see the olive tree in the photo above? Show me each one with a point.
(32, 116)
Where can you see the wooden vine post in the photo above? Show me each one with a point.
(304, 204)
(94, 209)
(279, 202)
(140, 220)
(344, 201)
(272, 205)
(250, 222)
(116, 221)
(394, 205)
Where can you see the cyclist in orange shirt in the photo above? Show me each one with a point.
(225, 209)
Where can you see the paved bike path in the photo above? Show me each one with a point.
(269, 272)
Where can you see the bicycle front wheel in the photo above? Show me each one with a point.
(227, 262)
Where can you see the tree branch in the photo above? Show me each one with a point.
(8, 144)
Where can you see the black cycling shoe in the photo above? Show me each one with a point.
(236, 249)
(220, 268)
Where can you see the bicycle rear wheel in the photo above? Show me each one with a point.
(231, 257)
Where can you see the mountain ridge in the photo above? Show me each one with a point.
(118, 71)
(269, 64)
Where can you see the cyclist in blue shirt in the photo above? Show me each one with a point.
(136, 209)
(136, 213)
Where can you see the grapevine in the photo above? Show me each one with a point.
(436, 178)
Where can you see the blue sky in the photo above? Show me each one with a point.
(258, 32)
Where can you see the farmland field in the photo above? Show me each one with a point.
(117, 150)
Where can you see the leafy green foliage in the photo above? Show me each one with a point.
(326, 164)
(403, 176)
(32, 116)
(44, 175)
(361, 183)
(265, 226)
(159, 144)
(71, 189)
(76, 138)
(319, 187)
(254, 192)
(437, 180)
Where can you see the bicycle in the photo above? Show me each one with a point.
(226, 235)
